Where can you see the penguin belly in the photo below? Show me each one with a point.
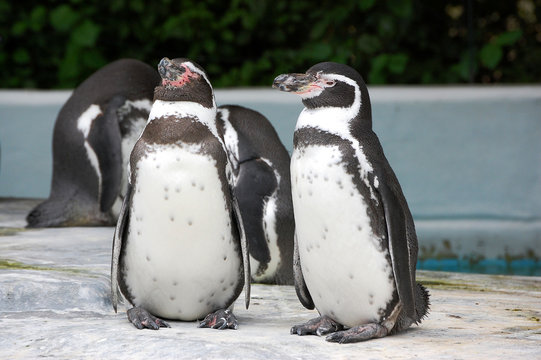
(344, 266)
(182, 257)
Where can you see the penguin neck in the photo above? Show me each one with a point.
(349, 123)
(341, 121)
(181, 109)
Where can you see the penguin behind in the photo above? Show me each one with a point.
(262, 187)
(179, 250)
(93, 136)
(356, 246)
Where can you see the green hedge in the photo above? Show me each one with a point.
(57, 44)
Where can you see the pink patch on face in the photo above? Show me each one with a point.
(186, 77)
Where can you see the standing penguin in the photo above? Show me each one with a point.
(263, 189)
(356, 247)
(179, 249)
(93, 136)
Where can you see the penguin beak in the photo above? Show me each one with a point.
(171, 74)
(295, 83)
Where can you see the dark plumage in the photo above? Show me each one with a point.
(359, 269)
(93, 134)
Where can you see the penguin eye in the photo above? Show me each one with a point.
(330, 82)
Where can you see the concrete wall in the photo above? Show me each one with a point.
(468, 159)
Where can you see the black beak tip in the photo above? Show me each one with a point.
(162, 66)
(278, 82)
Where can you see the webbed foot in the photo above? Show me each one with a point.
(358, 333)
(220, 319)
(142, 319)
(322, 325)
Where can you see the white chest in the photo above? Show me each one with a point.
(182, 258)
(347, 274)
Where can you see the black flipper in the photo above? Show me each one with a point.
(245, 247)
(118, 237)
(300, 286)
(399, 249)
(256, 182)
(105, 139)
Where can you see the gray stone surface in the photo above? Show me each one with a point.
(54, 302)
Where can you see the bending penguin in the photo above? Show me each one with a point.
(179, 250)
(92, 140)
(356, 247)
(263, 189)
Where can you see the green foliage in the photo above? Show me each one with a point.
(57, 44)
(491, 54)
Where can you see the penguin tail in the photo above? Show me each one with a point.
(47, 214)
(55, 212)
(422, 303)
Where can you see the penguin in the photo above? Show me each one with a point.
(92, 140)
(355, 245)
(179, 250)
(262, 187)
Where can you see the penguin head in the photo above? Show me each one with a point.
(183, 80)
(328, 85)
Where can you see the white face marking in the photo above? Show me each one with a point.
(317, 88)
(84, 124)
(269, 225)
(180, 235)
(347, 275)
(195, 69)
(336, 120)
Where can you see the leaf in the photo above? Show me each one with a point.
(69, 66)
(397, 63)
(62, 18)
(508, 38)
(366, 4)
(19, 28)
(368, 44)
(93, 59)
(379, 63)
(386, 26)
(37, 17)
(401, 8)
(85, 34)
(317, 51)
(21, 56)
(137, 5)
(490, 55)
(462, 68)
(319, 28)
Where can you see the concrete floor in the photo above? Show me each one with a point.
(54, 302)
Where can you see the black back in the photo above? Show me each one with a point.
(74, 198)
(257, 181)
